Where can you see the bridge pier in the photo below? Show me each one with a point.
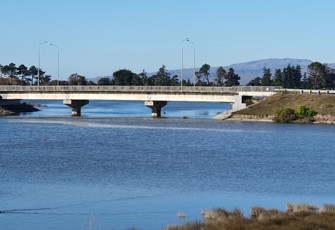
(76, 106)
(156, 107)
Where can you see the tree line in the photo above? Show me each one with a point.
(22, 75)
(318, 76)
(163, 78)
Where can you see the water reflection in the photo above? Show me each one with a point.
(131, 109)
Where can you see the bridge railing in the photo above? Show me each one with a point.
(190, 89)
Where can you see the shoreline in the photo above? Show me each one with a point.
(318, 119)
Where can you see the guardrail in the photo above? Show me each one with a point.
(309, 91)
(186, 89)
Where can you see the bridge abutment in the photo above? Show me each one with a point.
(239, 103)
(76, 106)
(156, 107)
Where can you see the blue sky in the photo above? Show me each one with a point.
(98, 37)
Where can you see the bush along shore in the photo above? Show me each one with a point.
(296, 216)
(290, 107)
(6, 110)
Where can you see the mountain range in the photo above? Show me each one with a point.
(252, 69)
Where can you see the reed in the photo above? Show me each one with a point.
(294, 208)
(296, 216)
(328, 209)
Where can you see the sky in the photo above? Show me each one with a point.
(98, 37)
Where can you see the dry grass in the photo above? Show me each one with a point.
(323, 104)
(328, 209)
(297, 217)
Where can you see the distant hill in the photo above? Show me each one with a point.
(252, 69)
(246, 70)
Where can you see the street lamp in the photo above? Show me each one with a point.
(39, 62)
(57, 62)
(193, 60)
(182, 60)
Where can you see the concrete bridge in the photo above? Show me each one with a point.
(154, 97)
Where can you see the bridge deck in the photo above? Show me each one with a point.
(155, 97)
(138, 93)
(173, 89)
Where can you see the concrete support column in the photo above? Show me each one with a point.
(156, 107)
(76, 106)
(238, 103)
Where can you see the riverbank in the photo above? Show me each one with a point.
(265, 110)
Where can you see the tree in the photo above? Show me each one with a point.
(255, 82)
(45, 79)
(297, 76)
(291, 77)
(232, 79)
(125, 77)
(278, 78)
(287, 77)
(198, 78)
(305, 82)
(204, 72)
(161, 78)
(317, 75)
(22, 70)
(137, 80)
(91, 83)
(104, 81)
(331, 78)
(10, 71)
(220, 76)
(174, 81)
(144, 77)
(32, 72)
(266, 79)
(76, 79)
(56, 82)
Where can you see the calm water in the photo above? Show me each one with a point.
(62, 172)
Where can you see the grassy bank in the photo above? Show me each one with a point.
(297, 217)
(324, 105)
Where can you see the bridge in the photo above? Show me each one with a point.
(154, 97)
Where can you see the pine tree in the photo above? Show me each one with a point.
(232, 79)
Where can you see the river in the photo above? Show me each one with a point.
(117, 168)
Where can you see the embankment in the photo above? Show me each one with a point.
(265, 110)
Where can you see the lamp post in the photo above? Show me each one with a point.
(39, 62)
(57, 61)
(182, 60)
(193, 60)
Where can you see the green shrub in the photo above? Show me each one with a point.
(288, 115)
(285, 115)
(303, 112)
